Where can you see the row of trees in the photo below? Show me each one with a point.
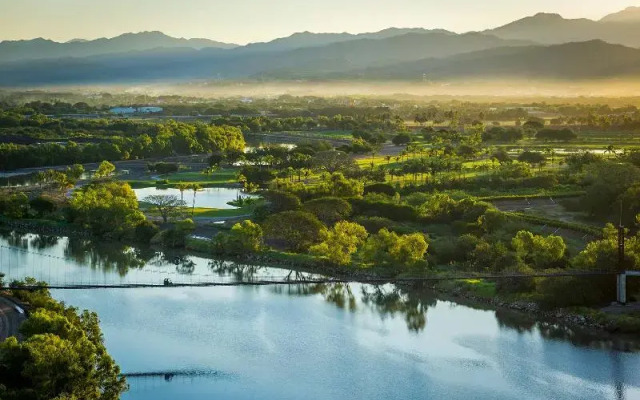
(171, 138)
(365, 122)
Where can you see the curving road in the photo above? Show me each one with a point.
(10, 319)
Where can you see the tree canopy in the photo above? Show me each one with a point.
(106, 208)
(62, 356)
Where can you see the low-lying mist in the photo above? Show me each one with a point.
(470, 90)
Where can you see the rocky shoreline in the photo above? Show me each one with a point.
(558, 316)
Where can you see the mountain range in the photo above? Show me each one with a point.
(541, 46)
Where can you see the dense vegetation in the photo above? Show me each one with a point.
(407, 189)
(61, 354)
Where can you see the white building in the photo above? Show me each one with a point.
(122, 110)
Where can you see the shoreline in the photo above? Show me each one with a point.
(307, 264)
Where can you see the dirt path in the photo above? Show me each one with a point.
(10, 319)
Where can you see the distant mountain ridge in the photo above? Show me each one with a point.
(570, 61)
(618, 28)
(207, 63)
(309, 39)
(539, 46)
(44, 48)
(629, 14)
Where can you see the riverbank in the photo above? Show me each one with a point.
(591, 319)
(44, 227)
(623, 324)
(481, 292)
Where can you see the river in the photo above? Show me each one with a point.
(313, 341)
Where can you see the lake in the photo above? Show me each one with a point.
(312, 341)
(206, 198)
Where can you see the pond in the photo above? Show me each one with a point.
(206, 198)
(312, 341)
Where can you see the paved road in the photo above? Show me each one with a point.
(10, 319)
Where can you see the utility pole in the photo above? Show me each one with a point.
(622, 276)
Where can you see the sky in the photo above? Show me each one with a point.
(243, 21)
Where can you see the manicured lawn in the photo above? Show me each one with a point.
(224, 175)
(217, 212)
(221, 177)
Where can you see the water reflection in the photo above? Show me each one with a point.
(240, 272)
(41, 242)
(15, 239)
(389, 300)
(62, 260)
(338, 294)
(107, 257)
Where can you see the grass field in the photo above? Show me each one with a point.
(201, 212)
(221, 177)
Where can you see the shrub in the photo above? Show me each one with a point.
(279, 201)
(244, 237)
(395, 212)
(177, 235)
(572, 291)
(145, 231)
(564, 135)
(163, 168)
(383, 188)
(388, 248)
(374, 224)
(15, 205)
(43, 205)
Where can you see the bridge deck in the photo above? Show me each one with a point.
(372, 281)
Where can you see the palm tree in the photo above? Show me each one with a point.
(182, 186)
(611, 149)
(195, 187)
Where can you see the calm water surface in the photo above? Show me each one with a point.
(207, 197)
(313, 341)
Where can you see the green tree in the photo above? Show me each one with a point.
(105, 170)
(74, 172)
(62, 355)
(244, 238)
(43, 205)
(329, 210)
(532, 158)
(168, 206)
(339, 186)
(107, 208)
(177, 236)
(15, 205)
(538, 251)
(294, 230)
(182, 186)
(401, 139)
(606, 183)
(389, 248)
(341, 242)
(333, 161)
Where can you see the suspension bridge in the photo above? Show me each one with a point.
(143, 381)
(287, 281)
(88, 272)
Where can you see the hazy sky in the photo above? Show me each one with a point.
(243, 21)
